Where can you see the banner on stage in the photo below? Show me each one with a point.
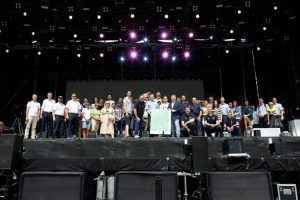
(160, 122)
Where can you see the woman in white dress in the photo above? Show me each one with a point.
(107, 119)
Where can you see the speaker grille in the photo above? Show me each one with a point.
(240, 186)
(52, 185)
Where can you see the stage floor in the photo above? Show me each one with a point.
(152, 154)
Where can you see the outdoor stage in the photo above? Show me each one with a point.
(185, 164)
(154, 154)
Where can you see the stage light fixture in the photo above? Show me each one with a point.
(24, 13)
(122, 59)
(165, 54)
(186, 54)
(78, 55)
(75, 35)
(39, 53)
(132, 16)
(145, 59)
(164, 35)
(173, 58)
(211, 37)
(275, 8)
(226, 51)
(146, 39)
(166, 16)
(98, 16)
(32, 33)
(197, 16)
(258, 48)
(191, 35)
(101, 35)
(70, 17)
(264, 28)
(239, 12)
(132, 35)
(231, 31)
(133, 54)
(101, 55)
(6, 50)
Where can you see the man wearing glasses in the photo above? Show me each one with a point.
(73, 110)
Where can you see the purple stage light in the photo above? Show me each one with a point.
(132, 35)
(187, 54)
(165, 54)
(164, 35)
(133, 54)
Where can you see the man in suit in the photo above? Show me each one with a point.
(175, 108)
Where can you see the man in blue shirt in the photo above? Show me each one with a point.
(231, 125)
(175, 108)
(211, 123)
(196, 110)
(139, 123)
(188, 123)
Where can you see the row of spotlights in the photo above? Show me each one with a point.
(166, 16)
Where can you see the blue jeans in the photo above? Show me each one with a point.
(139, 126)
(47, 119)
(119, 128)
(175, 127)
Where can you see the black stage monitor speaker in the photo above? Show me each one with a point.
(137, 185)
(200, 154)
(10, 151)
(52, 186)
(239, 186)
(233, 145)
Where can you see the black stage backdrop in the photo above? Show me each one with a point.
(117, 89)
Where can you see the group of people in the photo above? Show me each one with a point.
(128, 117)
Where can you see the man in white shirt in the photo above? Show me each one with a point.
(224, 108)
(32, 116)
(59, 117)
(73, 111)
(279, 108)
(262, 113)
(46, 116)
(128, 108)
(109, 99)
